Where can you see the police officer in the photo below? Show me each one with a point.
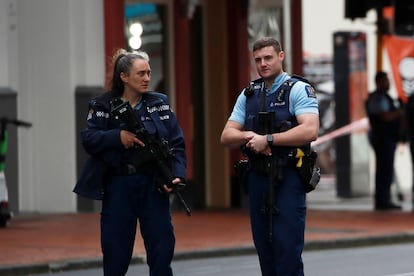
(385, 119)
(128, 183)
(296, 117)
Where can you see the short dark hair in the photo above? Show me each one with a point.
(380, 75)
(265, 42)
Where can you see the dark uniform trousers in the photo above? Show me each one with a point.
(384, 147)
(128, 198)
(282, 256)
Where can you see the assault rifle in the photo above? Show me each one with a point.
(273, 169)
(159, 150)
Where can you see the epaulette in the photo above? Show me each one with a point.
(310, 90)
(287, 85)
(103, 100)
(300, 78)
(156, 96)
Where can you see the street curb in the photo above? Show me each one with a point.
(69, 265)
(360, 242)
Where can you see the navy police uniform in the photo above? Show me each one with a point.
(384, 137)
(281, 256)
(128, 195)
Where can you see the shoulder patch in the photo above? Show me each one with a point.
(310, 91)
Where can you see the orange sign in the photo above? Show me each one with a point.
(401, 54)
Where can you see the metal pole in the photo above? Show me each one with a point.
(287, 35)
(380, 24)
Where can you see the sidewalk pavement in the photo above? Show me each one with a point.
(38, 243)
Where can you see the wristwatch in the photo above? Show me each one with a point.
(269, 138)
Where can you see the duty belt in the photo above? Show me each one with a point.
(260, 164)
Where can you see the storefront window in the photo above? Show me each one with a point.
(145, 31)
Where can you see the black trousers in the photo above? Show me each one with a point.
(384, 148)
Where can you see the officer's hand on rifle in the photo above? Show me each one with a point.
(174, 182)
(129, 139)
(258, 144)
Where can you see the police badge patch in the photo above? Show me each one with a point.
(310, 91)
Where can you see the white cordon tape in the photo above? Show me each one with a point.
(359, 125)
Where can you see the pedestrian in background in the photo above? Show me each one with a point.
(294, 107)
(130, 190)
(386, 118)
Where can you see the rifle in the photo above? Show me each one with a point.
(158, 150)
(273, 169)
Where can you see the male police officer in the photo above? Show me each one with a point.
(296, 120)
(385, 119)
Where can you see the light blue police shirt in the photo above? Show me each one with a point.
(299, 101)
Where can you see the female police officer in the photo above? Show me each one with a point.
(129, 190)
(294, 108)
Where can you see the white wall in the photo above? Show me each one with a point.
(60, 46)
(4, 47)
